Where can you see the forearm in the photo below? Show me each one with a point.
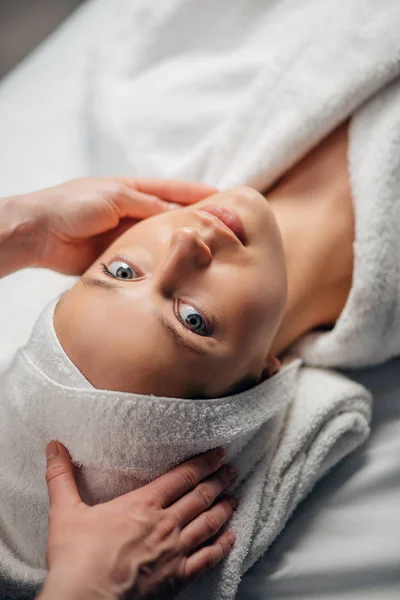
(20, 226)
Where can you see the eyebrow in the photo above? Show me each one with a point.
(174, 333)
(101, 283)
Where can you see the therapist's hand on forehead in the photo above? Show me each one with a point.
(66, 227)
(156, 539)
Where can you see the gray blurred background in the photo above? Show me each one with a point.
(25, 23)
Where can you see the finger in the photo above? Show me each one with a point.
(60, 476)
(203, 495)
(173, 190)
(104, 240)
(169, 487)
(207, 525)
(138, 205)
(206, 558)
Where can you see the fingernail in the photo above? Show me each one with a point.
(221, 454)
(173, 205)
(51, 450)
(232, 473)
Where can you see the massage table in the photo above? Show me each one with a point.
(344, 540)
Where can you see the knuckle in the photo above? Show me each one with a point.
(219, 551)
(155, 500)
(226, 544)
(189, 476)
(205, 494)
(166, 525)
(169, 519)
(212, 558)
(156, 205)
(228, 510)
(173, 519)
(211, 524)
(151, 502)
(54, 472)
(117, 188)
(139, 519)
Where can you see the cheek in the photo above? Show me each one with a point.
(251, 310)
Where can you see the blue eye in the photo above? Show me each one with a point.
(192, 319)
(121, 270)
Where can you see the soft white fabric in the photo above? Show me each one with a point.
(233, 92)
(237, 92)
(368, 330)
(342, 542)
(281, 436)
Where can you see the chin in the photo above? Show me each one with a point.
(250, 204)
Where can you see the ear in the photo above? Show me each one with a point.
(272, 367)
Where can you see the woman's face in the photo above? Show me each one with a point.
(181, 305)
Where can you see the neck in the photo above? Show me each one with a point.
(302, 277)
(317, 243)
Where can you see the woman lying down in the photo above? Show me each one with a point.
(167, 346)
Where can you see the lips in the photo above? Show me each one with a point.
(229, 218)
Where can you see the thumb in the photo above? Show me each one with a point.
(60, 476)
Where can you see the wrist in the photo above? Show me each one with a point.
(20, 232)
(58, 586)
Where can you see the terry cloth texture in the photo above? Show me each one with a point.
(282, 436)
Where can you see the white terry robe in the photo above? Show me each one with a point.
(282, 436)
(230, 93)
(368, 330)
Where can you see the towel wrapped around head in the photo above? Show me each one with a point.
(281, 435)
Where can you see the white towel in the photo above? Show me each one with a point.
(281, 436)
(368, 330)
(233, 92)
(229, 93)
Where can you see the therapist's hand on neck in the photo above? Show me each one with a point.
(66, 227)
(152, 541)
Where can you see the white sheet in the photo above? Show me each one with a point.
(343, 542)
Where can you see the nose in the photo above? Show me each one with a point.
(187, 254)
